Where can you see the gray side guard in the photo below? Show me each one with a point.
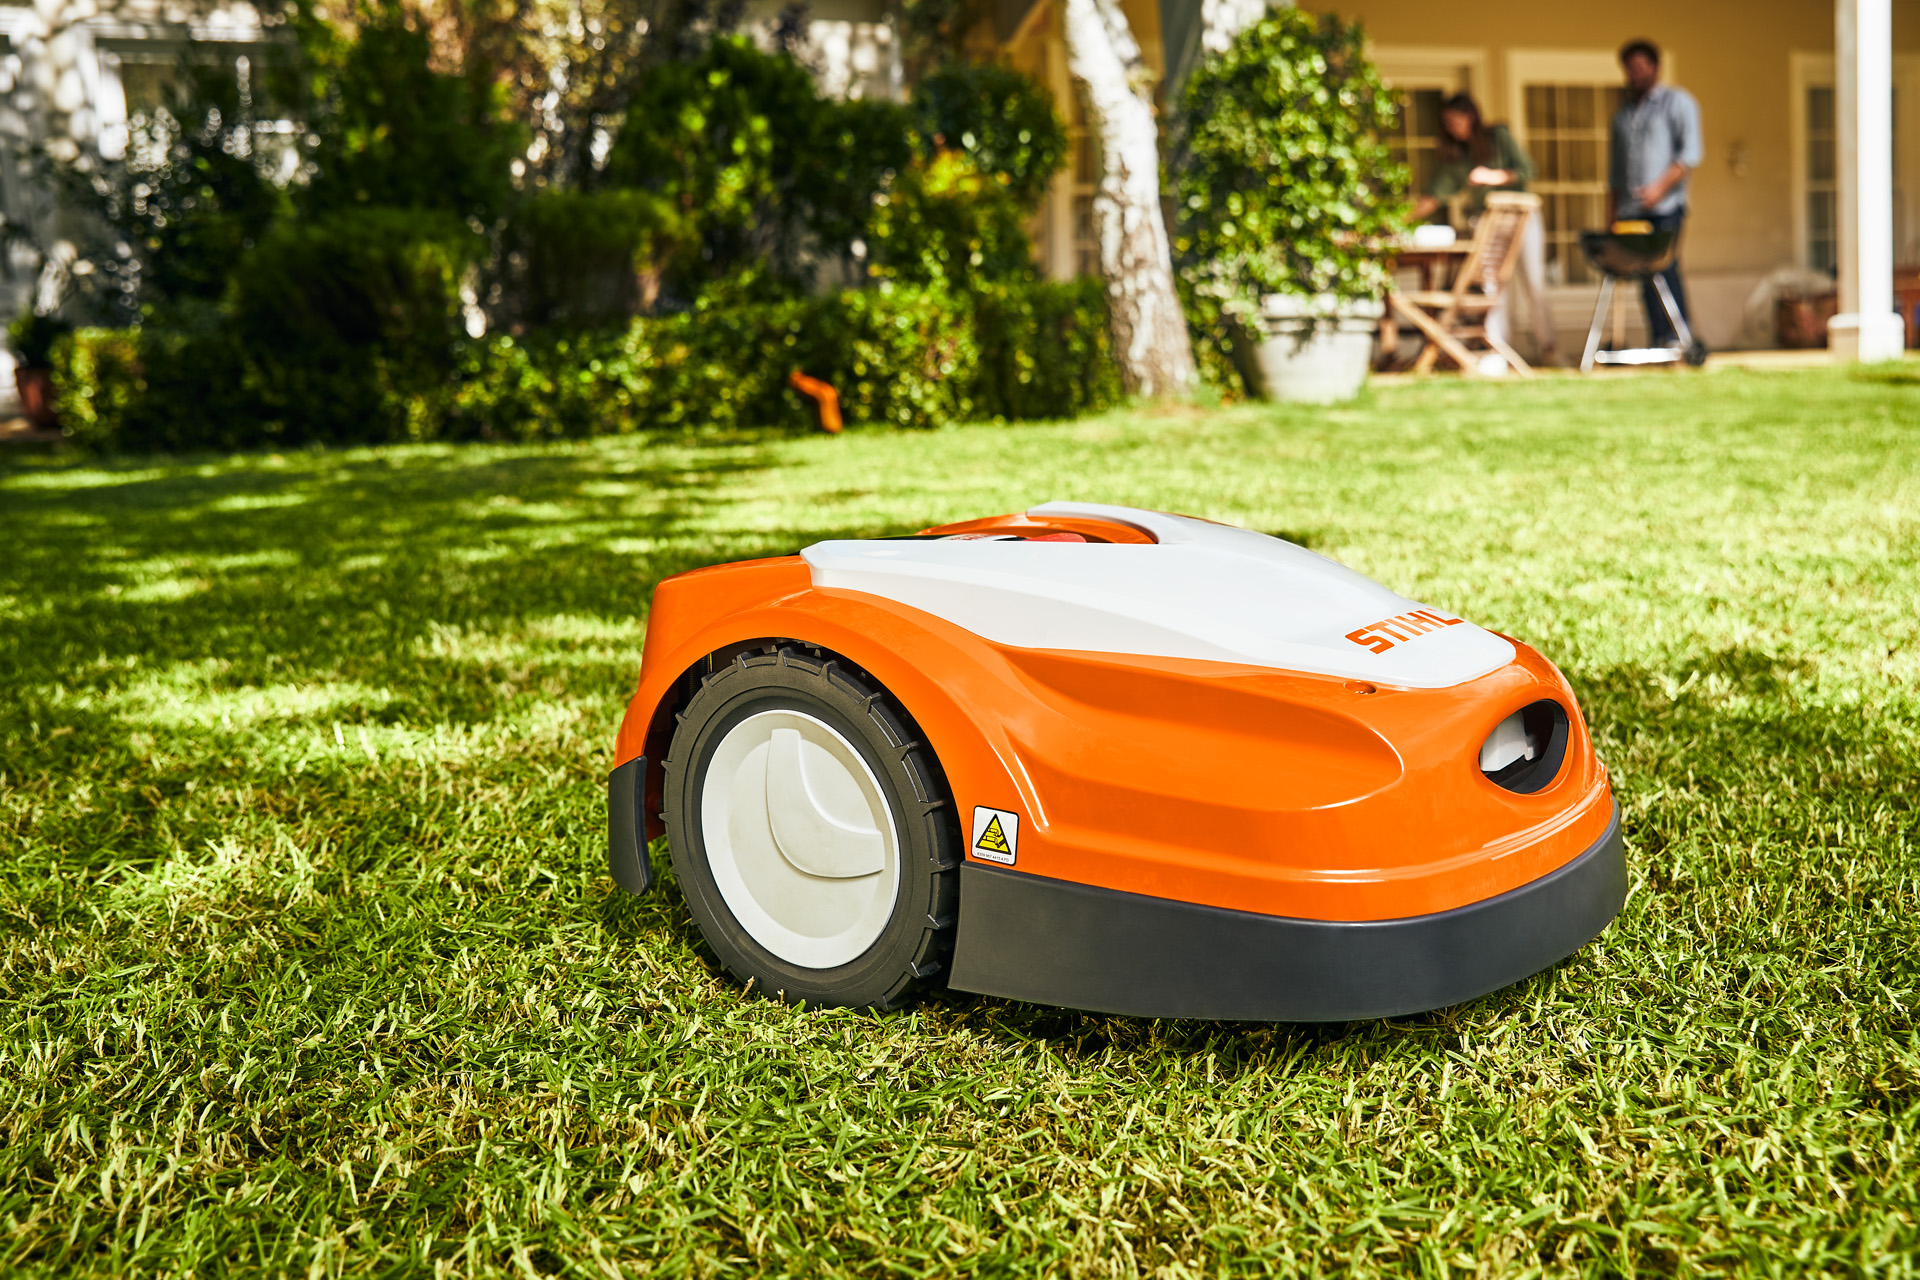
(626, 829)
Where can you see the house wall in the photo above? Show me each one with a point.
(1737, 57)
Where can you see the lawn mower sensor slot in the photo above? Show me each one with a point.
(1525, 751)
(885, 765)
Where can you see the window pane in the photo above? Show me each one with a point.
(1820, 215)
(1537, 95)
(1580, 106)
(1423, 167)
(1820, 109)
(1426, 112)
(1583, 160)
(1820, 159)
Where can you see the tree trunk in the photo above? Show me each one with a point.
(1149, 331)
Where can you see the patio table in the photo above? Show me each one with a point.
(1440, 259)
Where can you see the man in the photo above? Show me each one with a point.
(1655, 145)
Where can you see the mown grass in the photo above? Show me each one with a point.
(311, 966)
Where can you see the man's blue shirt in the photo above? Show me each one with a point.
(1649, 135)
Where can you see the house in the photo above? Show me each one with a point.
(1773, 202)
(1778, 199)
(74, 72)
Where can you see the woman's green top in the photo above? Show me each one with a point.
(1450, 177)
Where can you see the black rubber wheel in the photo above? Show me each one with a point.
(1697, 353)
(912, 926)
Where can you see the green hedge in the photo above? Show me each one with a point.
(350, 325)
(897, 359)
(591, 257)
(1046, 350)
(900, 358)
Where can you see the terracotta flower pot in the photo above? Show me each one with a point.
(36, 395)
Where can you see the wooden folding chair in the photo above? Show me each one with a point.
(1450, 319)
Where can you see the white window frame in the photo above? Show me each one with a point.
(1814, 70)
(1560, 66)
(1450, 70)
(1457, 70)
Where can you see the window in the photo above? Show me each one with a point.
(1425, 77)
(1416, 130)
(1566, 134)
(1822, 140)
(1814, 124)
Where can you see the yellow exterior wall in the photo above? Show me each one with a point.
(1732, 56)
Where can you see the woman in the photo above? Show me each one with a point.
(1475, 157)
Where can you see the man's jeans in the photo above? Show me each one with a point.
(1659, 328)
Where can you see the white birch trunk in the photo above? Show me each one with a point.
(1149, 331)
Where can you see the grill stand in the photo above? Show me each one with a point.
(1687, 350)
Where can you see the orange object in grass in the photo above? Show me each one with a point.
(825, 398)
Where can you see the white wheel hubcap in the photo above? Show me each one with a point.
(799, 838)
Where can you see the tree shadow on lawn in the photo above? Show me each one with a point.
(222, 611)
(392, 658)
(1765, 834)
(501, 537)
(334, 568)
(446, 591)
(356, 570)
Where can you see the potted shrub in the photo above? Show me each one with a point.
(1288, 197)
(31, 338)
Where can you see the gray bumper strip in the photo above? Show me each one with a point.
(626, 829)
(1054, 942)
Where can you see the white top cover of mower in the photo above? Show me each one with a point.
(1200, 590)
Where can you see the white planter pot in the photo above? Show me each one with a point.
(1312, 350)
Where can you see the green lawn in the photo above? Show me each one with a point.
(311, 965)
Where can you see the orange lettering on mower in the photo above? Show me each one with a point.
(1379, 636)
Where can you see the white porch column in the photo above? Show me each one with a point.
(1867, 328)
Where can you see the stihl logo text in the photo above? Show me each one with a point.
(1382, 636)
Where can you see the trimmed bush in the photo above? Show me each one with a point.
(945, 224)
(351, 323)
(898, 357)
(180, 385)
(591, 257)
(1003, 120)
(98, 386)
(902, 358)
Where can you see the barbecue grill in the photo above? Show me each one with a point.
(1636, 255)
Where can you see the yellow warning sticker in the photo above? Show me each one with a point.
(996, 834)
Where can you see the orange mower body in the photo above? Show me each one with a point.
(1114, 760)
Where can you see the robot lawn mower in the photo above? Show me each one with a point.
(1111, 759)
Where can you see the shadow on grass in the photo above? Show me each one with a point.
(365, 572)
(403, 587)
(326, 564)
